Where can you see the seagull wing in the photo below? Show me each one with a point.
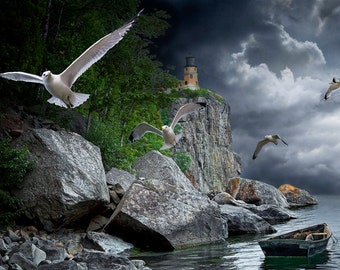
(141, 129)
(22, 76)
(259, 146)
(186, 109)
(333, 86)
(94, 53)
(283, 141)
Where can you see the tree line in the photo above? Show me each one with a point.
(126, 85)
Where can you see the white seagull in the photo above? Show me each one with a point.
(59, 85)
(267, 139)
(335, 84)
(170, 138)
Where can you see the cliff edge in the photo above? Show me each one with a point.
(207, 139)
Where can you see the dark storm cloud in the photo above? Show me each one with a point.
(272, 61)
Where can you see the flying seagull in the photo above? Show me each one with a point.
(267, 139)
(170, 138)
(335, 84)
(59, 85)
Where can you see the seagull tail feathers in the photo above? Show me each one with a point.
(57, 101)
(80, 99)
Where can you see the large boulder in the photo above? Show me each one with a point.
(165, 213)
(296, 196)
(255, 192)
(154, 165)
(243, 221)
(68, 183)
(159, 216)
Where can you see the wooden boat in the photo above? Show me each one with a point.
(304, 242)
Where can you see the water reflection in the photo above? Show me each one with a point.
(296, 263)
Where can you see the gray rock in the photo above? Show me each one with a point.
(13, 236)
(116, 176)
(255, 192)
(226, 198)
(139, 264)
(243, 221)
(114, 196)
(64, 265)
(54, 254)
(207, 139)
(3, 247)
(7, 240)
(33, 253)
(154, 165)
(271, 213)
(68, 181)
(157, 215)
(104, 261)
(24, 263)
(97, 223)
(105, 242)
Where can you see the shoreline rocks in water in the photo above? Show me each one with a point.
(297, 197)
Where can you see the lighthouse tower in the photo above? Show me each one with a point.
(190, 74)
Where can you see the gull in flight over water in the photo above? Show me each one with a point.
(335, 84)
(170, 138)
(59, 85)
(268, 138)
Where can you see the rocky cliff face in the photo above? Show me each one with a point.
(207, 139)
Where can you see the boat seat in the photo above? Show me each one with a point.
(311, 236)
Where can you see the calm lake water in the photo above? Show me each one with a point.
(243, 252)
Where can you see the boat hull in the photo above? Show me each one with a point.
(286, 245)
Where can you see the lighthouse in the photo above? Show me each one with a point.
(190, 80)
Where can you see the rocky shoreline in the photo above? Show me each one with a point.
(89, 218)
(29, 248)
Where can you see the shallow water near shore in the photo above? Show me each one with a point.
(243, 252)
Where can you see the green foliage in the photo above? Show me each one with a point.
(21, 46)
(13, 167)
(183, 161)
(127, 86)
(202, 92)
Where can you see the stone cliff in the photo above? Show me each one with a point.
(207, 139)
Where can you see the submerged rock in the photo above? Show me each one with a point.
(243, 221)
(271, 213)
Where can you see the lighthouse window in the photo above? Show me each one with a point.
(186, 82)
(191, 76)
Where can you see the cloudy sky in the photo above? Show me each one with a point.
(272, 61)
